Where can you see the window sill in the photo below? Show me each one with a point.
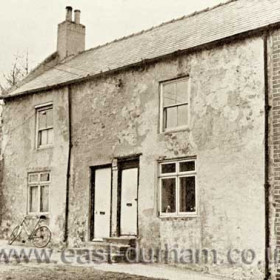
(44, 147)
(177, 129)
(178, 217)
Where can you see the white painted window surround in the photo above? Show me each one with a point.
(38, 192)
(44, 126)
(177, 188)
(174, 104)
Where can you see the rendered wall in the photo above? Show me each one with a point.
(20, 156)
(112, 119)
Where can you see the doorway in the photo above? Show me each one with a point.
(128, 197)
(101, 179)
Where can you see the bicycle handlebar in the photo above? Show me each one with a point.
(41, 217)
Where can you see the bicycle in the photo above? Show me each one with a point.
(40, 234)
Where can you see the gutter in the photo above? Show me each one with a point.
(145, 62)
(267, 163)
(68, 174)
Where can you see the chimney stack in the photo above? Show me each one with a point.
(70, 35)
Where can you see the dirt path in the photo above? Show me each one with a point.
(54, 272)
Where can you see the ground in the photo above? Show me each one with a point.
(53, 272)
(36, 266)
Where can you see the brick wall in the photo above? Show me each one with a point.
(274, 149)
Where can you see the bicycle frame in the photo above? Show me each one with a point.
(24, 225)
(40, 234)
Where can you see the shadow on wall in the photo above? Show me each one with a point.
(7, 227)
(4, 230)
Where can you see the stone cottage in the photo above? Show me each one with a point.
(168, 139)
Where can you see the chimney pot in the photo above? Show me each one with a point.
(69, 13)
(77, 16)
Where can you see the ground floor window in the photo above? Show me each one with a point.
(38, 192)
(177, 182)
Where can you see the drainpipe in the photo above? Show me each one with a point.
(68, 164)
(266, 168)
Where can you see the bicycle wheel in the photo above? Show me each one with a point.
(41, 237)
(14, 235)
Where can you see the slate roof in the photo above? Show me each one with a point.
(225, 20)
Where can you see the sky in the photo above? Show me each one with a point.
(31, 25)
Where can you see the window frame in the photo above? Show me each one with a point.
(38, 109)
(177, 175)
(162, 122)
(38, 184)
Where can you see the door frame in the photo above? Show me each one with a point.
(92, 199)
(127, 163)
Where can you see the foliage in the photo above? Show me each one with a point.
(19, 69)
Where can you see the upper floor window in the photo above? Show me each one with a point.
(44, 126)
(38, 192)
(178, 188)
(174, 104)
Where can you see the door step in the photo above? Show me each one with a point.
(125, 240)
(112, 250)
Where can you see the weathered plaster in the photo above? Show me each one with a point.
(119, 116)
(226, 133)
(21, 156)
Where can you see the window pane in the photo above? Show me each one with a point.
(50, 136)
(170, 117)
(182, 115)
(49, 117)
(168, 195)
(44, 199)
(187, 194)
(187, 166)
(42, 119)
(33, 178)
(33, 203)
(168, 168)
(182, 91)
(169, 94)
(43, 137)
(45, 177)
